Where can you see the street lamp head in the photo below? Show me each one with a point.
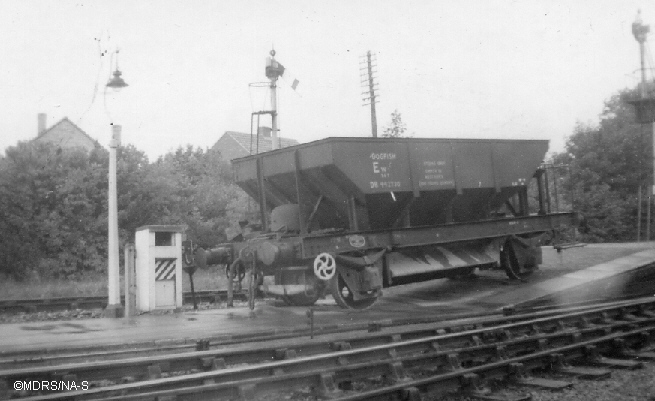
(116, 83)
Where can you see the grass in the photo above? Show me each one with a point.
(36, 288)
(96, 285)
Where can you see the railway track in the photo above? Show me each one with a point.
(395, 363)
(54, 356)
(99, 302)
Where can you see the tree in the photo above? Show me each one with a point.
(608, 164)
(211, 200)
(50, 206)
(396, 127)
(53, 207)
(53, 203)
(145, 195)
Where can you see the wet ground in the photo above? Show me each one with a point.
(487, 293)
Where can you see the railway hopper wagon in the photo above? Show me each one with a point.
(354, 215)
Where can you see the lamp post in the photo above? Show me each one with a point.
(114, 307)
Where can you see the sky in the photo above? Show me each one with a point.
(452, 68)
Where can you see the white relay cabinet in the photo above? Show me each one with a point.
(158, 267)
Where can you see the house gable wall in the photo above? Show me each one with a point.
(233, 145)
(229, 148)
(66, 135)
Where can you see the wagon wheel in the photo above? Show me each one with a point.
(344, 297)
(308, 298)
(513, 268)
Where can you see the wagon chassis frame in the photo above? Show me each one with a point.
(313, 245)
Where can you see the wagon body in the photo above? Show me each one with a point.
(374, 184)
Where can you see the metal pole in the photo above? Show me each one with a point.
(130, 281)
(640, 32)
(555, 182)
(113, 280)
(652, 191)
(274, 140)
(648, 218)
(540, 189)
(639, 203)
(573, 198)
(193, 290)
(262, 194)
(643, 69)
(252, 285)
(547, 188)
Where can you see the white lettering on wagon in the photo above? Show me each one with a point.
(435, 174)
(383, 156)
(381, 165)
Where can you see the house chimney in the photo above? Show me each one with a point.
(42, 121)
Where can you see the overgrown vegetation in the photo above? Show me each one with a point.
(53, 204)
(608, 163)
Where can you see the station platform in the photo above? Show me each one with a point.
(631, 275)
(577, 274)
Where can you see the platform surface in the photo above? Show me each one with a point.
(590, 267)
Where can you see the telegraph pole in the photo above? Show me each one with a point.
(369, 95)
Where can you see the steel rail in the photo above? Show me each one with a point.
(67, 303)
(507, 367)
(388, 359)
(203, 386)
(112, 365)
(404, 327)
(392, 369)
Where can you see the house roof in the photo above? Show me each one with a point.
(66, 120)
(265, 143)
